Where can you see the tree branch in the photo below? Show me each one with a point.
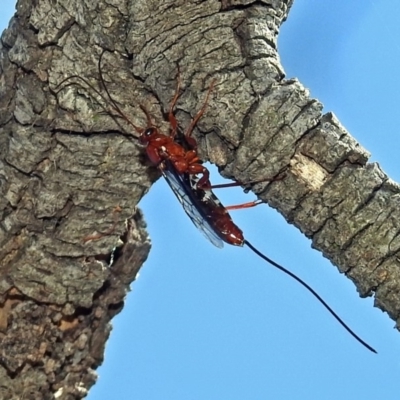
(71, 175)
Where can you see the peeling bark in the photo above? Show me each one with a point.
(70, 175)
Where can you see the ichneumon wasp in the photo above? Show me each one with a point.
(176, 157)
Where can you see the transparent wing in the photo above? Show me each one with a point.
(182, 191)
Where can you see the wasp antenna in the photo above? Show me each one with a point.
(312, 291)
(178, 87)
(58, 88)
(201, 111)
(171, 117)
(113, 116)
(148, 116)
(113, 102)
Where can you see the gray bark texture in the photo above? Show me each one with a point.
(71, 237)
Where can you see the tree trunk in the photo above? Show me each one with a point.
(72, 239)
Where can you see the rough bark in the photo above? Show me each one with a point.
(69, 172)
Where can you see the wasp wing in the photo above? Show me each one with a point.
(181, 186)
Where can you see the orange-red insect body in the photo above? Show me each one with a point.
(160, 148)
(181, 165)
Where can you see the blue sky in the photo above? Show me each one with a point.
(209, 324)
